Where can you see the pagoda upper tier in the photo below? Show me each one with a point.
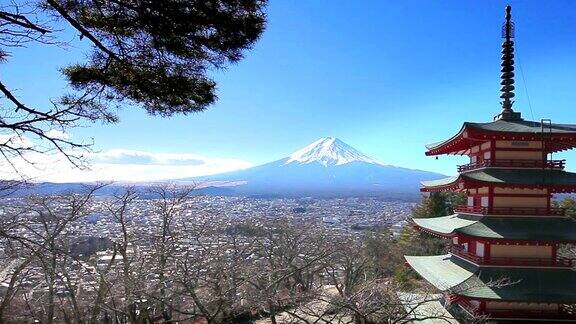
(554, 137)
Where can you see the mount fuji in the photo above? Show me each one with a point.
(327, 167)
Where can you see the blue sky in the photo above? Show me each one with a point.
(387, 77)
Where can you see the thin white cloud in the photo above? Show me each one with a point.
(120, 165)
(119, 156)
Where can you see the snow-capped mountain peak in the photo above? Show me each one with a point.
(329, 151)
(326, 168)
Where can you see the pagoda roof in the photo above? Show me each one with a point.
(523, 126)
(426, 308)
(441, 183)
(523, 228)
(526, 284)
(445, 225)
(562, 181)
(440, 271)
(510, 228)
(447, 272)
(562, 136)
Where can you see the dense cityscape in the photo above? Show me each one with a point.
(97, 241)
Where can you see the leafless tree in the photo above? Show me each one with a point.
(290, 257)
(212, 271)
(170, 202)
(121, 209)
(39, 228)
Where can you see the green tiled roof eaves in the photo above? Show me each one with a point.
(439, 270)
(522, 228)
(512, 228)
(522, 126)
(514, 284)
(439, 182)
(425, 308)
(523, 176)
(510, 176)
(522, 284)
(432, 146)
(445, 224)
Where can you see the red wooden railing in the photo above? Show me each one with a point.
(559, 262)
(524, 211)
(501, 163)
(471, 210)
(459, 251)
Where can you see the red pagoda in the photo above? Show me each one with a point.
(508, 231)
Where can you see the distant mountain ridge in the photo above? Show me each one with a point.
(327, 167)
(143, 189)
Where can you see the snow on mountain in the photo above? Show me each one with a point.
(327, 167)
(329, 151)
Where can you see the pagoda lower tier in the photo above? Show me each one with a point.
(505, 241)
(502, 294)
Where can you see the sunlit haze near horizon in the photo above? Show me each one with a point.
(384, 77)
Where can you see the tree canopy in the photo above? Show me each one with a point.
(438, 204)
(569, 203)
(154, 54)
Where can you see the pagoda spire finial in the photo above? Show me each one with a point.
(507, 76)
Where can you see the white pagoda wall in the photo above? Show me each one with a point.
(520, 251)
(541, 202)
(495, 305)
